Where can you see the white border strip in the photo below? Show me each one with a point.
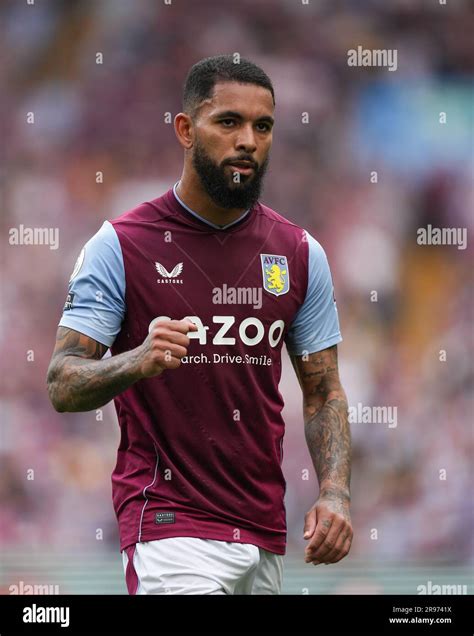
(144, 494)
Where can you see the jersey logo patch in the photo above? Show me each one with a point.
(69, 301)
(164, 517)
(176, 271)
(276, 277)
(169, 277)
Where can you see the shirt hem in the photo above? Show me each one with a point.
(71, 323)
(215, 536)
(318, 346)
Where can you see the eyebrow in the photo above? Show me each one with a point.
(232, 113)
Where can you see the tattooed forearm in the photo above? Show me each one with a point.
(78, 380)
(328, 438)
(327, 429)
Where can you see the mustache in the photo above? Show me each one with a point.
(247, 159)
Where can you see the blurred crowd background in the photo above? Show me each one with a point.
(110, 117)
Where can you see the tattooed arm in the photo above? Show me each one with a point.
(328, 523)
(79, 380)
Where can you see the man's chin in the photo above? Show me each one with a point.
(234, 202)
(241, 186)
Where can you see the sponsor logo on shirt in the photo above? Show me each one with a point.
(169, 277)
(276, 279)
(251, 331)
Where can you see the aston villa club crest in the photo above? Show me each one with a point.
(276, 276)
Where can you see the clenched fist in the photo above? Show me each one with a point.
(164, 346)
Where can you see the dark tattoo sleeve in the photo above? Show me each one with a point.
(79, 380)
(327, 429)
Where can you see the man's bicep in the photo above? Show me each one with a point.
(73, 346)
(73, 343)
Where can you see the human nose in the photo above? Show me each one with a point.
(246, 140)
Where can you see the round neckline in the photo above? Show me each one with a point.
(199, 222)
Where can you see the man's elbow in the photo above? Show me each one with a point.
(58, 407)
(57, 404)
(313, 404)
(336, 394)
(53, 383)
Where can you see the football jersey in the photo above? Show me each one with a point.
(201, 446)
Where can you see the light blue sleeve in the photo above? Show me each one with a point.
(95, 304)
(316, 325)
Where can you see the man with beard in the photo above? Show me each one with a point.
(198, 487)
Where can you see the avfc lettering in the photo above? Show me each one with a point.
(268, 259)
(274, 334)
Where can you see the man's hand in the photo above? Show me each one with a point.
(80, 380)
(164, 346)
(327, 526)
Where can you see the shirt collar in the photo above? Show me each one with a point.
(198, 216)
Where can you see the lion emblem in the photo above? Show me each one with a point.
(275, 278)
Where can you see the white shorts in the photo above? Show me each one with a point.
(188, 565)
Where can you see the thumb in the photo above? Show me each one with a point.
(190, 324)
(309, 524)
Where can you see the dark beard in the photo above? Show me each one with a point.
(219, 185)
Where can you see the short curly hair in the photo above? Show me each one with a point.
(205, 74)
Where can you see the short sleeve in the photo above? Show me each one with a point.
(316, 325)
(95, 303)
